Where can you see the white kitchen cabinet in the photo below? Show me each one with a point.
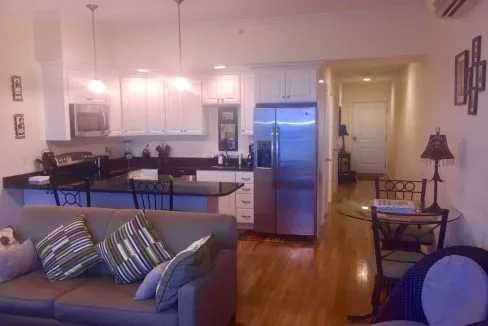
(270, 86)
(134, 106)
(248, 104)
(155, 106)
(287, 85)
(220, 90)
(301, 85)
(184, 113)
(114, 102)
(239, 204)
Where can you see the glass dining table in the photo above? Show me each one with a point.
(361, 209)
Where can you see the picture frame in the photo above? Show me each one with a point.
(476, 49)
(228, 129)
(479, 76)
(473, 102)
(16, 82)
(461, 72)
(19, 126)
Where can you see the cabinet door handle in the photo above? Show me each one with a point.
(246, 179)
(246, 216)
(288, 96)
(243, 130)
(283, 97)
(245, 201)
(246, 189)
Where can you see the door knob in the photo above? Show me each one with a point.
(354, 138)
(328, 160)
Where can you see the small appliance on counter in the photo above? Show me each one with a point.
(250, 157)
(101, 163)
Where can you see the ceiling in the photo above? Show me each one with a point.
(126, 12)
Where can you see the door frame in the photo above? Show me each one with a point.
(351, 130)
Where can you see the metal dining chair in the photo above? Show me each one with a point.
(406, 190)
(73, 196)
(391, 260)
(151, 194)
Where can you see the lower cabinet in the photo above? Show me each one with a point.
(239, 204)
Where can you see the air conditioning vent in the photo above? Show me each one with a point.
(453, 8)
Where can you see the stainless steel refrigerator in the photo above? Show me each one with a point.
(285, 170)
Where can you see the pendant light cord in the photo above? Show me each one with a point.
(93, 8)
(179, 36)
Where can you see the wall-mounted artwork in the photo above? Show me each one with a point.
(16, 88)
(477, 76)
(461, 78)
(19, 126)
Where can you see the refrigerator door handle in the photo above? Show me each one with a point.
(273, 154)
(277, 158)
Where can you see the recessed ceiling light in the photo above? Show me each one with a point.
(219, 67)
(321, 81)
(367, 79)
(142, 70)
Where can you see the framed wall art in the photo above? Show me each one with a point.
(19, 126)
(16, 88)
(461, 78)
(476, 47)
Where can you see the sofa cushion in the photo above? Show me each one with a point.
(68, 251)
(455, 292)
(18, 260)
(195, 261)
(103, 302)
(133, 250)
(147, 289)
(33, 295)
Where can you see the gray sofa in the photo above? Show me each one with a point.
(95, 299)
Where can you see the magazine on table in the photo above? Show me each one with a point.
(398, 206)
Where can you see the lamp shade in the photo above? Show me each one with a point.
(437, 148)
(343, 131)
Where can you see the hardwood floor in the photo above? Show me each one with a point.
(281, 284)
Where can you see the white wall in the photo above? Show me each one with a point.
(319, 37)
(182, 146)
(18, 58)
(467, 179)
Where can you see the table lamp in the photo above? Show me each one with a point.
(437, 152)
(343, 132)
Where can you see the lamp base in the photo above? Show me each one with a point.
(434, 208)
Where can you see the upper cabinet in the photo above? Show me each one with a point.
(221, 90)
(248, 104)
(290, 84)
(152, 106)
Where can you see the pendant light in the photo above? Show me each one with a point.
(96, 85)
(180, 82)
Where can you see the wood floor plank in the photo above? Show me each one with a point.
(289, 284)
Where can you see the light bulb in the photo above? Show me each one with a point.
(97, 87)
(367, 79)
(181, 83)
(321, 81)
(219, 67)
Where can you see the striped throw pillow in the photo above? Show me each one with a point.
(133, 250)
(68, 251)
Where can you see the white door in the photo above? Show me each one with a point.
(134, 106)
(301, 85)
(270, 86)
(155, 106)
(228, 88)
(210, 91)
(173, 112)
(192, 117)
(247, 104)
(368, 136)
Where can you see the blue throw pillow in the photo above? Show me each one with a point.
(147, 289)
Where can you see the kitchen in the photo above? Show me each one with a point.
(146, 109)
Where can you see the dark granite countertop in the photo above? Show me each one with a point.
(119, 184)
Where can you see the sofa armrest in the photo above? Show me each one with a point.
(211, 299)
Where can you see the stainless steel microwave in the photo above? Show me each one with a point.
(89, 120)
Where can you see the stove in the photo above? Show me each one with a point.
(73, 158)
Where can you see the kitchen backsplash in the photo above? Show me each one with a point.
(181, 146)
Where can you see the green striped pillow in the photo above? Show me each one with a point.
(133, 250)
(68, 251)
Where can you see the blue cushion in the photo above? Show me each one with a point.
(455, 292)
(147, 289)
(17, 260)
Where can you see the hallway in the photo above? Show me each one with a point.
(290, 284)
